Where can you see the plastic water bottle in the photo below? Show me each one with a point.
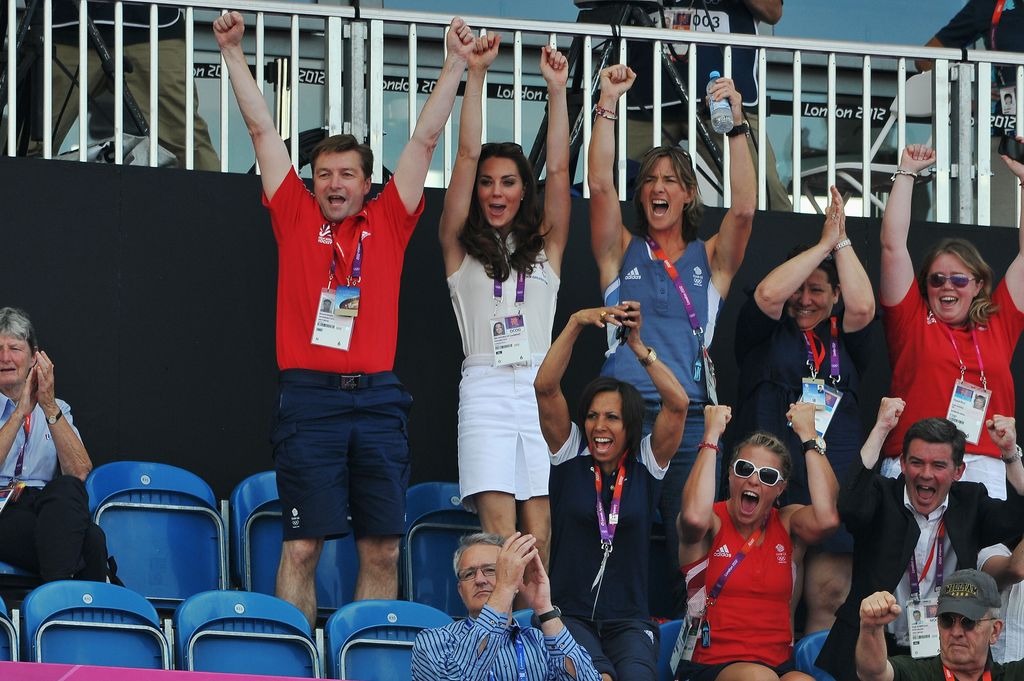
(721, 110)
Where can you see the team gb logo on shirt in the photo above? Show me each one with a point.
(698, 276)
(325, 238)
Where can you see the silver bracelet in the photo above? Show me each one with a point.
(1016, 456)
(841, 245)
(901, 171)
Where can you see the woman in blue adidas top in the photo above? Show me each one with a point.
(604, 487)
(631, 262)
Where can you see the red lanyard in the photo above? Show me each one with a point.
(357, 262)
(996, 16)
(607, 525)
(977, 352)
(816, 350)
(987, 676)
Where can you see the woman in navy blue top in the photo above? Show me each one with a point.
(793, 344)
(604, 487)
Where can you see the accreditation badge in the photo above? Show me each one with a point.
(812, 391)
(346, 301)
(10, 493)
(923, 626)
(686, 642)
(330, 328)
(823, 415)
(967, 408)
(509, 339)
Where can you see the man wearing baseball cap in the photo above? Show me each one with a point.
(969, 624)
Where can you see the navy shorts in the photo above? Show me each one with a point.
(693, 671)
(341, 449)
(625, 649)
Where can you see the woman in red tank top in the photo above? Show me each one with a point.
(739, 555)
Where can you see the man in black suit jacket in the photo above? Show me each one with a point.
(891, 520)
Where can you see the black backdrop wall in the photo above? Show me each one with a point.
(153, 291)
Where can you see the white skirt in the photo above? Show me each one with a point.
(500, 445)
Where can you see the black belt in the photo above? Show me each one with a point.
(339, 381)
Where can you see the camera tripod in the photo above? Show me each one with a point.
(616, 14)
(28, 51)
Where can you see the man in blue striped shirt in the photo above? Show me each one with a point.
(490, 645)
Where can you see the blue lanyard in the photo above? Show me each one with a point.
(517, 633)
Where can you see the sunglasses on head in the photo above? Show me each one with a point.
(766, 474)
(948, 619)
(938, 279)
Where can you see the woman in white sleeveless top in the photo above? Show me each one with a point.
(503, 257)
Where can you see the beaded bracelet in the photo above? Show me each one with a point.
(605, 113)
(709, 445)
(901, 171)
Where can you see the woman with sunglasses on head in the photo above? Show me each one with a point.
(606, 479)
(680, 279)
(503, 258)
(794, 341)
(951, 332)
(739, 556)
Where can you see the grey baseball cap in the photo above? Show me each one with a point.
(970, 593)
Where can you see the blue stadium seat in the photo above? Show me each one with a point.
(805, 652)
(94, 623)
(256, 546)
(372, 640)
(162, 526)
(8, 636)
(244, 633)
(434, 522)
(669, 634)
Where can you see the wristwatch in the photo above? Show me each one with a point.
(817, 444)
(551, 614)
(1016, 456)
(56, 417)
(741, 129)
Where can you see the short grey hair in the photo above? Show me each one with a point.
(16, 324)
(467, 540)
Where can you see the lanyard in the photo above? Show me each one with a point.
(934, 552)
(520, 288)
(816, 352)
(517, 637)
(737, 559)
(977, 352)
(19, 465)
(357, 261)
(996, 16)
(987, 676)
(607, 526)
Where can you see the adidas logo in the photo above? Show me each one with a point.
(633, 274)
(722, 552)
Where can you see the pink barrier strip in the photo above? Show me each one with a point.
(37, 671)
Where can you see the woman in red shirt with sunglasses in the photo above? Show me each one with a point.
(950, 335)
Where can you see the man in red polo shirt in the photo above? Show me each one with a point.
(340, 443)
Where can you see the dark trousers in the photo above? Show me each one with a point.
(49, 531)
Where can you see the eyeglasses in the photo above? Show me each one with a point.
(948, 619)
(469, 573)
(766, 474)
(938, 279)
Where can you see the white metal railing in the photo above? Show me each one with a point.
(356, 50)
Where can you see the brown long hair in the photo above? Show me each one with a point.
(683, 166)
(484, 243)
(982, 306)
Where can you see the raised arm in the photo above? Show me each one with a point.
(557, 202)
(667, 431)
(858, 296)
(271, 152)
(726, 249)
(768, 11)
(1006, 570)
(460, 193)
(555, 422)
(1015, 273)
(897, 267)
(876, 611)
(608, 236)
(814, 522)
(774, 291)
(1003, 431)
(889, 413)
(697, 523)
(414, 161)
(71, 453)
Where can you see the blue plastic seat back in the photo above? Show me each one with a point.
(435, 520)
(256, 546)
(372, 640)
(243, 633)
(163, 527)
(805, 652)
(669, 633)
(8, 636)
(93, 623)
